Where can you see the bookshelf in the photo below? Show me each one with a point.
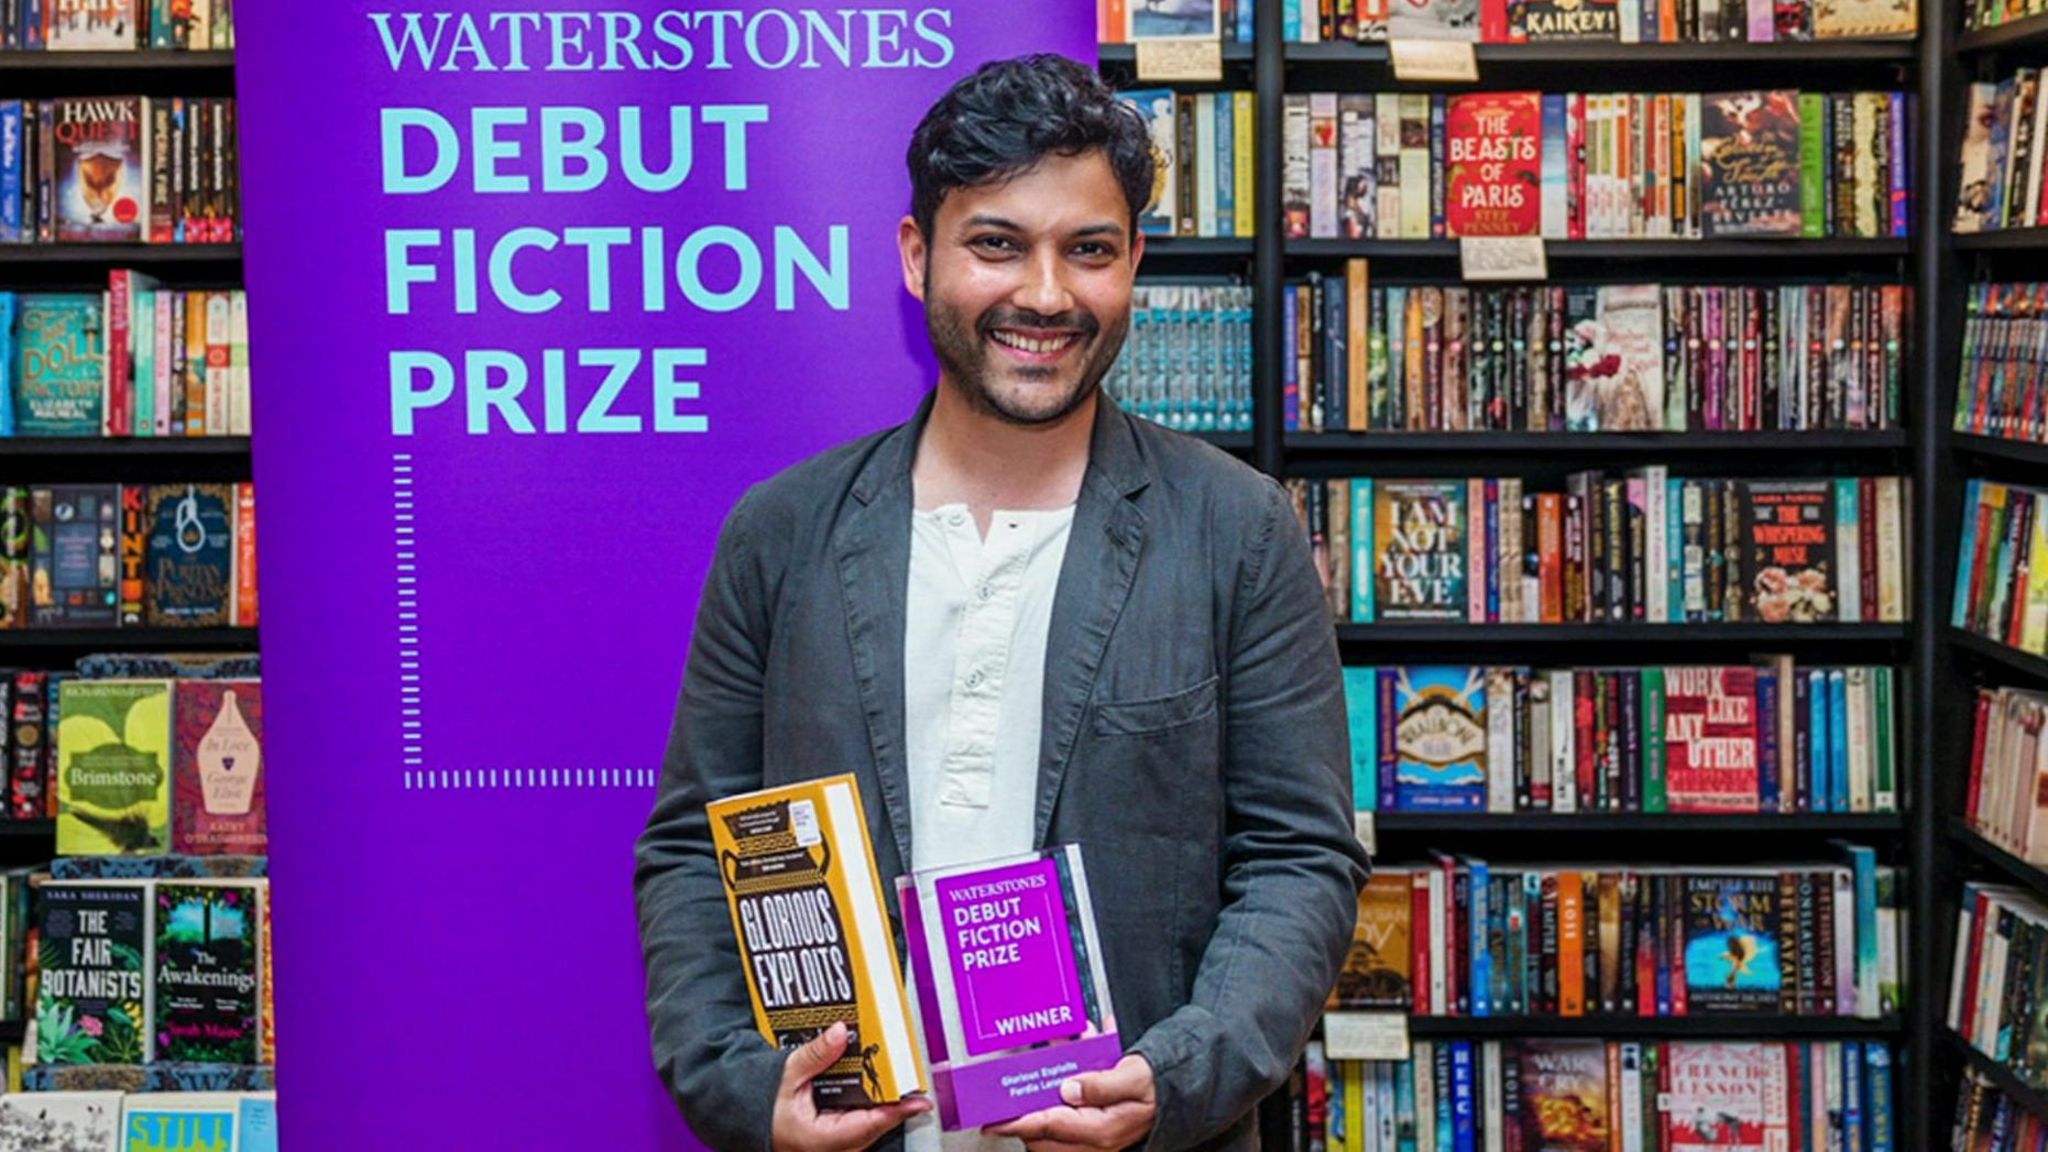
(1905, 838)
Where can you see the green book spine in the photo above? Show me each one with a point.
(1885, 796)
(1364, 560)
(1655, 797)
(1813, 166)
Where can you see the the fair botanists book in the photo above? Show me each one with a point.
(1010, 986)
(814, 935)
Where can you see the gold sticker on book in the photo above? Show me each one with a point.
(1196, 60)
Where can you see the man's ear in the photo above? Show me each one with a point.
(910, 243)
(1137, 249)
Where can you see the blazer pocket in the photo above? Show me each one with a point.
(1158, 714)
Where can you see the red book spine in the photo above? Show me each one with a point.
(1976, 790)
(120, 368)
(1420, 979)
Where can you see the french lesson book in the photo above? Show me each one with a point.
(1010, 985)
(814, 937)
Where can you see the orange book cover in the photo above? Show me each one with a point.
(266, 1037)
(1571, 944)
(195, 364)
(813, 933)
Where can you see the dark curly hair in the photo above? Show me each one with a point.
(1009, 115)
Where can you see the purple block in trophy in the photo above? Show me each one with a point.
(1011, 995)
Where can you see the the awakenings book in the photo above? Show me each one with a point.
(1010, 984)
(814, 935)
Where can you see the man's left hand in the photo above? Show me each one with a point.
(1103, 1112)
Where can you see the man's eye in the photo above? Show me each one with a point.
(994, 243)
(1094, 249)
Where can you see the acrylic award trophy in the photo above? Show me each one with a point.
(1010, 984)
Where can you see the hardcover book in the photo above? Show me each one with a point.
(1539, 20)
(1011, 992)
(1174, 20)
(206, 972)
(60, 1122)
(180, 1122)
(1788, 544)
(1749, 164)
(1419, 549)
(1155, 106)
(74, 547)
(1376, 969)
(1564, 1094)
(217, 769)
(1439, 745)
(59, 365)
(100, 179)
(1433, 19)
(1495, 165)
(89, 25)
(1710, 739)
(114, 769)
(814, 939)
(191, 556)
(1731, 1097)
(1732, 959)
(92, 995)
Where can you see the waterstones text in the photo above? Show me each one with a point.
(488, 177)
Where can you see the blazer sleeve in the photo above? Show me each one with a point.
(1292, 865)
(706, 1047)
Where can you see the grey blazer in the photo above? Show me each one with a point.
(1194, 746)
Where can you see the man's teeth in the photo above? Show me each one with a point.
(1027, 344)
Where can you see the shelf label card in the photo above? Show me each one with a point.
(1503, 258)
(1197, 60)
(1368, 834)
(1365, 1035)
(1442, 61)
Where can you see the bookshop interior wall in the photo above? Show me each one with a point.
(1665, 400)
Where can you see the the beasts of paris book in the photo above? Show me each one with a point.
(1011, 990)
(814, 937)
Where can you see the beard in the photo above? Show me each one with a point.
(965, 351)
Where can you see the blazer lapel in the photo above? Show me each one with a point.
(873, 550)
(1095, 580)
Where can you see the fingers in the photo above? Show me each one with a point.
(1117, 1126)
(1131, 1079)
(856, 1128)
(818, 1054)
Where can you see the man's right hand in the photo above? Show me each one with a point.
(801, 1127)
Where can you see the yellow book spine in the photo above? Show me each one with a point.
(1357, 282)
(1241, 151)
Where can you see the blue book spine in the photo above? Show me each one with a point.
(1838, 741)
(1290, 379)
(13, 153)
(1226, 166)
(1532, 904)
(1440, 1071)
(6, 363)
(1290, 22)
(1480, 915)
(1464, 1133)
(1877, 1085)
(1770, 789)
(1493, 549)
(1363, 607)
(1966, 551)
(1556, 172)
(1438, 109)
(1406, 1122)
(32, 25)
(1852, 1096)
(1247, 21)
(1817, 741)
(1361, 706)
(1674, 533)
(1390, 795)
(1863, 873)
(1336, 377)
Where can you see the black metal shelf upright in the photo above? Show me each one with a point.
(1916, 449)
(84, 267)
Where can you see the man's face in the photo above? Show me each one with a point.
(1027, 286)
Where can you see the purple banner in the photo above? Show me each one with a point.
(1015, 976)
(536, 294)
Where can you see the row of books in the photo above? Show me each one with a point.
(2005, 136)
(2004, 362)
(2006, 802)
(1204, 152)
(1641, 546)
(1517, 21)
(1992, 13)
(139, 1121)
(1997, 994)
(1458, 937)
(1988, 1120)
(1603, 1096)
(2001, 589)
(142, 971)
(119, 169)
(1597, 166)
(136, 360)
(204, 787)
(1187, 362)
(1592, 358)
(1773, 738)
(128, 555)
(116, 25)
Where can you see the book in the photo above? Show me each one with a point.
(114, 772)
(1710, 739)
(1377, 968)
(1564, 1091)
(101, 151)
(1788, 533)
(92, 958)
(1156, 107)
(90, 25)
(1494, 166)
(1749, 164)
(1012, 995)
(191, 555)
(217, 768)
(1419, 549)
(256, 1124)
(1174, 20)
(813, 934)
(1732, 959)
(59, 348)
(60, 1122)
(1722, 1096)
(180, 1122)
(205, 973)
(1438, 749)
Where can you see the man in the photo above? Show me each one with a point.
(1024, 619)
